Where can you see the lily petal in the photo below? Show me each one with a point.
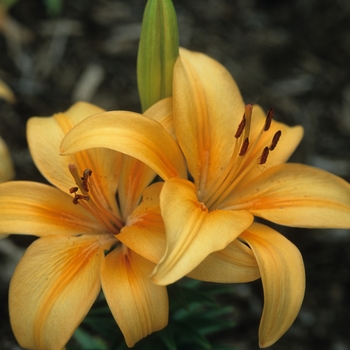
(138, 306)
(144, 231)
(132, 134)
(45, 149)
(283, 278)
(37, 209)
(104, 163)
(135, 175)
(48, 303)
(134, 178)
(192, 231)
(234, 264)
(208, 108)
(296, 195)
(162, 112)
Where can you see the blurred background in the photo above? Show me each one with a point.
(293, 56)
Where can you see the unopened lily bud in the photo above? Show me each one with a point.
(158, 50)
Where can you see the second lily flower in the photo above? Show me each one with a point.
(235, 155)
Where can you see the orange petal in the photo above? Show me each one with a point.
(296, 195)
(208, 108)
(135, 175)
(45, 135)
(283, 278)
(144, 231)
(37, 209)
(139, 306)
(192, 232)
(130, 133)
(44, 138)
(53, 287)
(234, 264)
(134, 178)
(162, 112)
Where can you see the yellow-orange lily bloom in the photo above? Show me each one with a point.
(81, 229)
(236, 157)
(95, 242)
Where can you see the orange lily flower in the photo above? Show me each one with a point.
(81, 246)
(236, 157)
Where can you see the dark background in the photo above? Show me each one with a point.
(290, 55)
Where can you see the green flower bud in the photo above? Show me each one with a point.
(158, 50)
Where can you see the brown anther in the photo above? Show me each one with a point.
(87, 173)
(73, 189)
(268, 120)
(78, 197)
(244, 147)
(264, 155)
(241, 127)
(275, 139)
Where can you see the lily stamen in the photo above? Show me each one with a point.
(77, 197)
(90, 199)
(73, 190)
(241, 127)
(275, 140)
(269, 117)
(264, 155)
(241, 160)
(85, 178)
(78, 180)
(244, 147)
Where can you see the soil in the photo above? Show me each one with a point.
(290, 55)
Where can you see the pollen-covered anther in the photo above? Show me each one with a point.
(268, 120)
(275, 140)
(78, 197)
(244, 147)
(241, 127)
(73, 190)
(85, 178)
(264, 155)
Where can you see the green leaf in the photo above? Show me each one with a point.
(158, 50)
(88, 342)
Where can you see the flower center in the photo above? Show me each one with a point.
(90, 199)
(241, 160)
